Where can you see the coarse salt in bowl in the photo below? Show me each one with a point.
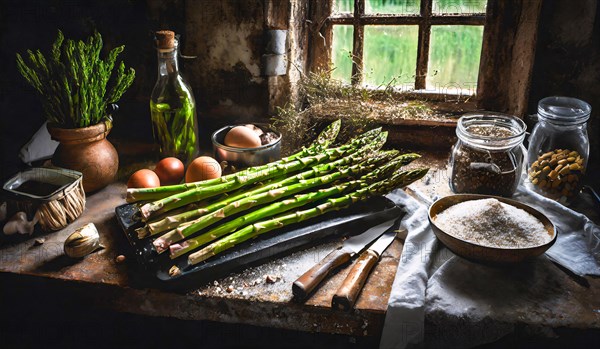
(491, 229)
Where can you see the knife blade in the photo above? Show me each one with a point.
(306, 283)
(346, 295)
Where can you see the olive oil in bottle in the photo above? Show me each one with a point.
(172, 104)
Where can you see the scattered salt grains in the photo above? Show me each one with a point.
(492, 223)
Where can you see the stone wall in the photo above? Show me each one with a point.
(227, 38)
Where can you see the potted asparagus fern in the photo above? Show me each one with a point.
(78, 89)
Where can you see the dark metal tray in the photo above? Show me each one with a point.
(350, 221)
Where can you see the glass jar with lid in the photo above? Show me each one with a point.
(559, 147)
(489, 154)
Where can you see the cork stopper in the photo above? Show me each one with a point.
(165, 39)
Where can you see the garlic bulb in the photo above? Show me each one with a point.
(83, 241)
(19, 223)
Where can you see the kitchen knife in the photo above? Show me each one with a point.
(309, 280)
(346, 295)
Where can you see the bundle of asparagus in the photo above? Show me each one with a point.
(75, 85)
(316, 180)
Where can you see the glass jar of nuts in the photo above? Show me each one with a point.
(488, 156)
(559, 148)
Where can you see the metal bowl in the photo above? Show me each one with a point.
(476, 252)
(245, 157)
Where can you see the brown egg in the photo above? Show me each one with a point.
(202, 168)
(242, 137)
(143, 179)
(170, 171)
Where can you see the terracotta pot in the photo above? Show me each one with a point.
(88, 151)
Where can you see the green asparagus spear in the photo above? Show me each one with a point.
(256, 229)
(172, 221)
(280, 207)
(164, 241)
(241, 179)
(324, 139)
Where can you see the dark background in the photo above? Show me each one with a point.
(33, 24)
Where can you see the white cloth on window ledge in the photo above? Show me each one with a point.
(428, 268)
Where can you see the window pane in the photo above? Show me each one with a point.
(341, 6)
(341, 54)
(459, 6)
(454, 54)
(390, 52)
(393, 6)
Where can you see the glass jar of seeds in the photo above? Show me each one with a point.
(488, 156)
(559, 148)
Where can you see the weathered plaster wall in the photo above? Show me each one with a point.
(227, 37)
(568, 61)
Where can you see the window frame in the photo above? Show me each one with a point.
(424, 20)
(507, 55)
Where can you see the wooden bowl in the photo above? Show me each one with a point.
(476, 252)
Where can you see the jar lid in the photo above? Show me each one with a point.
(564, 110)
(491, 131)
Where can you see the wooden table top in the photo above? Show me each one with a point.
(242, 297)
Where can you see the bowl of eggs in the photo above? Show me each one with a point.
(241, 146)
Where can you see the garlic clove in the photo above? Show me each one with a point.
(82, 242)
(11, 227)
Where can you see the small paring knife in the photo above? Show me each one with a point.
(306, 283)
(346, 295)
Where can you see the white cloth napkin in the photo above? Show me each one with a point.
(577, 246)
(426, 264)
(40, 147)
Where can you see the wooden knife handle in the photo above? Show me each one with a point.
(346, 295)
(313, 277)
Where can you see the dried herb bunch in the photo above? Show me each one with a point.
(325, 98)
(74, 84)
